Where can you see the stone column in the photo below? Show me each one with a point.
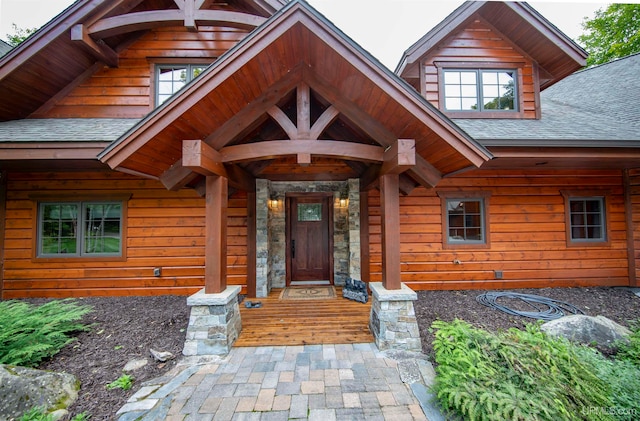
(354, 229)
(393, 319)
(214, 324)
(262, 238)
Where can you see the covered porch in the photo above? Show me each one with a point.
(296, 102)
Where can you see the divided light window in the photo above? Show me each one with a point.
(587, 219)
(465, 221)
(80, 229)
(480, 90)
(171, 78)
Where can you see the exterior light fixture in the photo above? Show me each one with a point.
(344, 197)
(273, 201)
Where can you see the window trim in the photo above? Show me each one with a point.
(484, 198)
(38, 199)
(516, 67)
(602, 195)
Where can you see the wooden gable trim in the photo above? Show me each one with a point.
(138, 21)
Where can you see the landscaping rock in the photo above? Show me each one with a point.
(23, 388)
(161, 356)
(587, 330)
(134, 365)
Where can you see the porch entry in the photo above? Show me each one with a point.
(309, 236)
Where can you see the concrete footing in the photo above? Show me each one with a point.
(214, 324)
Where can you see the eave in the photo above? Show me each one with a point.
(557, 55)
(297, 45)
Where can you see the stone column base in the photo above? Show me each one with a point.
(393, 319)
(214, 324)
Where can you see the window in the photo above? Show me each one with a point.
(171, 78)
(465, 221)
(80, 229)
(480, 90)
(587, 219)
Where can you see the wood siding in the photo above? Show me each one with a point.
(480, 45)
(528, 238)
(634, 220)
(164, 229)
(128, 91)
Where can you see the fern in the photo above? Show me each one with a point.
(29, 334)
(516, 374)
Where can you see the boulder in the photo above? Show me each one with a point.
(587, 330)
(23, 388)
(133, 365)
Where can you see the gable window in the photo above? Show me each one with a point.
(464, 218)
(170, 78)
(80, 229)
(480, 90)
(587, 219)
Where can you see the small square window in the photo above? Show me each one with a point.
(480, 90)
(465, 221)
(171, 78)
(587, 219)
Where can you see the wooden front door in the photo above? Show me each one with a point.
(309, 253)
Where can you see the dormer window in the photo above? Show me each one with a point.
(170, 78)
(478, 90)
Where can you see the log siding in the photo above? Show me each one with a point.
(480, 45)
(164, 229)
(528, 235)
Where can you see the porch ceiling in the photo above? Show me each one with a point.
(232, 103)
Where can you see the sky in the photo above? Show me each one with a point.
(385, 28)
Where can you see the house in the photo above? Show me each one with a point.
(159, 146)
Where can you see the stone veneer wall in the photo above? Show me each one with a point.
(271, 240)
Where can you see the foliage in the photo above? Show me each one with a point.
(19, 34)
(613, 33)
(124, 382)
(631, 351)
(29, 334)
(83, 416)
(515, 375)
(36, 414)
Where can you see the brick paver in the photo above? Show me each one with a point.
(313, 382)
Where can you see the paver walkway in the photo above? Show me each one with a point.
(312, 382)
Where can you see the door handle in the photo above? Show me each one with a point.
(293, 249)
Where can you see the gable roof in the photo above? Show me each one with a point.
(52, 50)
(296, 45)
(556, 54)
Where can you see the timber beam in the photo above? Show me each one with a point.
(424, 173)
(201, 158)
(303, 148)
(177, 177)
(99, 49)
(399, 157)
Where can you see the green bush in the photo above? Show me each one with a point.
(36, 414)
(29, 334)
(516, 374)
(631, 351)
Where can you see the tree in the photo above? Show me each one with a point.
(612, 33)
(19, 34)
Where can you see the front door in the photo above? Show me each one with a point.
(309, 254)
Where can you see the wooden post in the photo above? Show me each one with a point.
(390, 213)
(215, 274)
(365, 257)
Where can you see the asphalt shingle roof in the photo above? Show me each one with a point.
(65, 129)
(590, 106)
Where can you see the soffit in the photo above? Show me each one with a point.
(295, 46)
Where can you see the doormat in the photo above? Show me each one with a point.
(308, 293)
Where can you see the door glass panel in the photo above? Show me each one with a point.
(309, 212)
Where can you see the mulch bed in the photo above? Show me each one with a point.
(126, 327)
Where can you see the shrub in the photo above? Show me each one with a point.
(36, 414)
(516, 374)
(29, 334)
(631, 351)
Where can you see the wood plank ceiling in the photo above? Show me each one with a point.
(232, 103)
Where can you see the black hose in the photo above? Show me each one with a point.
(546, 308)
